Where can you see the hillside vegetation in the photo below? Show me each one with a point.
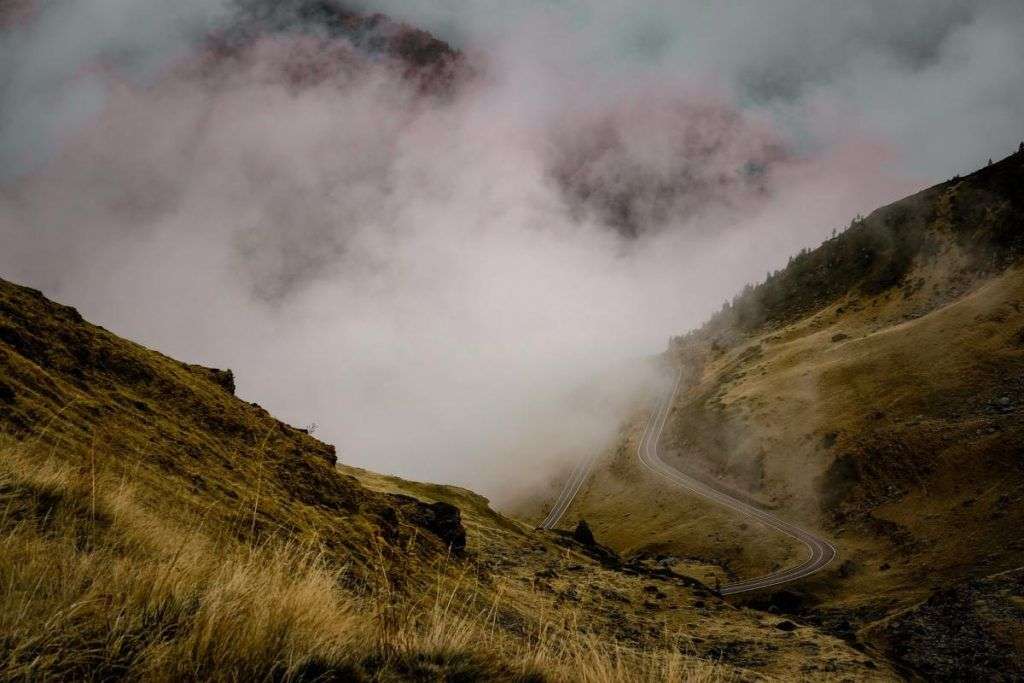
(872, 389)
(153, 525)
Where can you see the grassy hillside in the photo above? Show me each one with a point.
(872, 389)
(153, 525)
(979, 216)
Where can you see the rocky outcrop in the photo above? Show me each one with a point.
(441, 519)
(222, 378)
(445, 521)
(583, 534)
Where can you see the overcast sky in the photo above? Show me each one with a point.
(940, 79)
(460, 289)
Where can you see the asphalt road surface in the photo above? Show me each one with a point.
(820, 551)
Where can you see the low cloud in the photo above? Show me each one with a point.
(457, 288)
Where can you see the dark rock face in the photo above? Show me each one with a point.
(444, 521)
(226, 379)
(583, 534)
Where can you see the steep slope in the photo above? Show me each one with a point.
(871, 389)
(885, 380)
(154, 525)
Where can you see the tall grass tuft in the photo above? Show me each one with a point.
(94, 586)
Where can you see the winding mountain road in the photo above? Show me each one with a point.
(821, 552)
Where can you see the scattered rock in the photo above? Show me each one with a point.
(847, 569)
(655, 591)
(840, 337)
(614, 595)
(583, 534)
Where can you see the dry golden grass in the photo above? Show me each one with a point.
(154, 526)
(93, 585)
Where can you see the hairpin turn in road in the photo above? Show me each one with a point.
(821, 552)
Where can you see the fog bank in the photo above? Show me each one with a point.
(457, 288)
